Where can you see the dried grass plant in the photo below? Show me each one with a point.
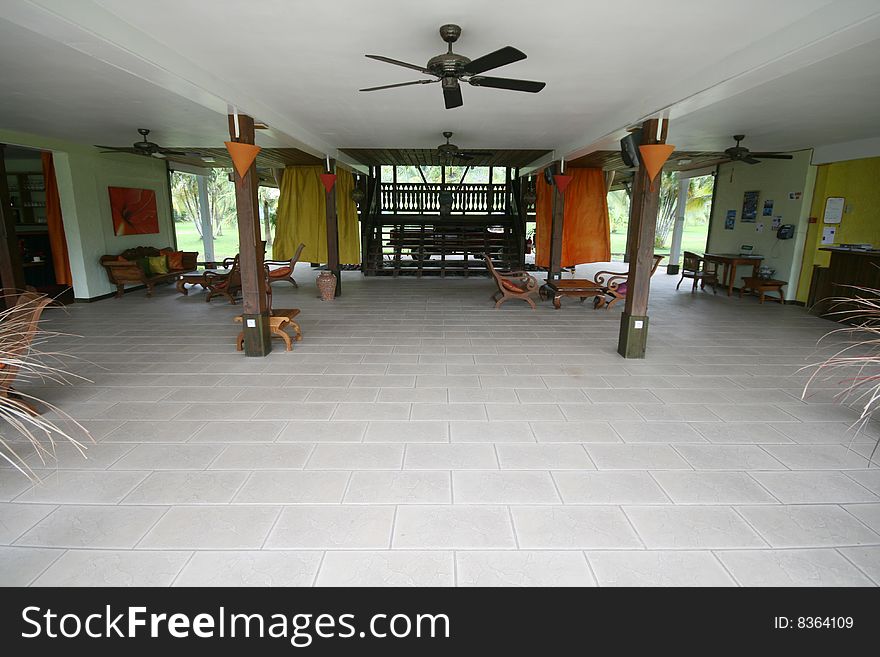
(23, 351)
(856, 361)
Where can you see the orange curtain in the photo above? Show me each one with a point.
(57, 241)
(586, 232)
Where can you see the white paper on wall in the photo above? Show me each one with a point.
(828, 235)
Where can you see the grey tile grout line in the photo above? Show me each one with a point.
(730, 574)
(271, 527)
(151, 527)
(318, 569)
(622, 509)
(855, 565)
(186, 563)
(736, 510)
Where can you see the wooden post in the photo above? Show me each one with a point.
(640, 249)
(250, 248)
(333, 234)
(11, 271)
(554, 271)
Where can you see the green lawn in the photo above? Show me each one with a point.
(693, 238)
(225, 246)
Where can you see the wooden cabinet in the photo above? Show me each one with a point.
(27, 197)
(832, 286)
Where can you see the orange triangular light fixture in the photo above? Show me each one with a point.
(562, 181)
(243, 155)
(654, 156)
(328, 179)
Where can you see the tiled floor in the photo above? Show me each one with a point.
(418, 437)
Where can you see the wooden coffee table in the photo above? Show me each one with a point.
(196, 278)
(572, 287)
(761, 286)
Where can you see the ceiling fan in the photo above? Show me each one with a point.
(742, 154)
(148, 148)
(450, 69)
(449, 151)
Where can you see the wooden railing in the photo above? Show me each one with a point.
(421, 198)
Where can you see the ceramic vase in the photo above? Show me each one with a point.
(326, 283)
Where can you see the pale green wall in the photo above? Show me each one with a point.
(774, 179)
(83, 177)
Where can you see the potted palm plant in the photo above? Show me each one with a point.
(23, 360)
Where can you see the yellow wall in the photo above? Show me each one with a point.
(858, 181)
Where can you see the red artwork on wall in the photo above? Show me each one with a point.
(134, 211)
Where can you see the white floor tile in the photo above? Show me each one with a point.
(523, 568)
(387, 568)
(658, 568)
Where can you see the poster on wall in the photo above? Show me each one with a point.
(730, 220)
(759, 227)
(777, 222)
(768, 208)
(833, 210)
(750, 207)
(134, 211)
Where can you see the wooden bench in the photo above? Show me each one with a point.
(127, 271)
(279, 320)
(761, 286)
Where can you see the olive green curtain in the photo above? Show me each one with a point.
(301, 216)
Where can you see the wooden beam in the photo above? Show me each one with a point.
(554, 271)
(333, 234)
(11, 271)
(250, 248)
(640, 249)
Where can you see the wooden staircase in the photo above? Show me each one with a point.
(404, 233)
(430, 245)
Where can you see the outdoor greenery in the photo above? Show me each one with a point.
(222, 239)
(696, 224)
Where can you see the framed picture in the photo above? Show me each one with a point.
(750, 207)
(134, 211)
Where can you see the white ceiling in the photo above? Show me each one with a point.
(790, 74)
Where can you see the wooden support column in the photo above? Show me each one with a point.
(554, 271)
(11, 271)
(640, 249)
(250, 248)
(333, 233)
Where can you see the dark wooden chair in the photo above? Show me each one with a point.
(226, 285)
(699, 269)
(512, 285)
(616, 284)
(22, 321)
(284, 270)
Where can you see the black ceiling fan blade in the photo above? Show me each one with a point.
(772, 156)
(399, 84)
(471, 152)
(452, 96)
(748, 159)
(529, 86)
(397, 62)
(501, 57)
(171, 151)
(116, 149)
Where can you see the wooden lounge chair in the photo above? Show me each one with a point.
(615, 284)
(512, 285)
(227, 285)
(284, 269)
(24, 319)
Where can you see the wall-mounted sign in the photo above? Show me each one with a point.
(828, 235)
(750, 207)
(730, 220)
(833, 210)
(768, 208)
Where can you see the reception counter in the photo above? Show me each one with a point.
(848, 268)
